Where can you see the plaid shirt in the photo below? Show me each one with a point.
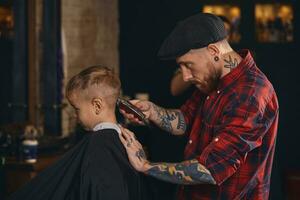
(232, 132)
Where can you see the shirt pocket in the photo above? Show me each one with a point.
(211, 130)
(207, 131)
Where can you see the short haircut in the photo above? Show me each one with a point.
(101, 78)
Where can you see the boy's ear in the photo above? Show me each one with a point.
(98, 105)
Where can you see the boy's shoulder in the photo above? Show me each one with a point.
(103, 141)
(104, 152)
(104, 135)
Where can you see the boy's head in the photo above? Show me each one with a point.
(93, 93)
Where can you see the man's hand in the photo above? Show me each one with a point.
(187, 172)
(170, 120)
(144, 106)
(135, 152)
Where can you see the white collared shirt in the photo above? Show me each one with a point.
(107, 125)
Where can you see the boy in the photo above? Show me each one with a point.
(97, 167)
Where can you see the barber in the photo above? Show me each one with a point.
(231, 119)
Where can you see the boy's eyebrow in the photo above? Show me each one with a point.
(73, 105)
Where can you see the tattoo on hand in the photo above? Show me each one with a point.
(230, 63)
(187, 172)
(141, 154)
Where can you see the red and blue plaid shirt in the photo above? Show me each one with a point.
(232, 132)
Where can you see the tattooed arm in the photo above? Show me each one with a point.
(168, 120)
(188, 172)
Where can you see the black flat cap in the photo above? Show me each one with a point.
(194, 32)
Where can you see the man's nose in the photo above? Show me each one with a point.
(186, 74)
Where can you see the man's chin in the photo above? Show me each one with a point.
(201, 88)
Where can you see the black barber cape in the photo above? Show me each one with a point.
(97, 168)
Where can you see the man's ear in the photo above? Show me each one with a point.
(98, 105)
(213, 50)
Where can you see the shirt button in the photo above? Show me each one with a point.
(216, 139)
(190, 141)
(207, 97)
(218, 91)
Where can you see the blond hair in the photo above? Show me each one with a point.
(102, 80)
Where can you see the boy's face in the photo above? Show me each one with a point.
(84, 110)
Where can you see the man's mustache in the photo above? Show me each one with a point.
(197, 81)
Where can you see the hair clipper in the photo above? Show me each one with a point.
(132, 109)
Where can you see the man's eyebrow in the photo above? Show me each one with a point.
(184, 62)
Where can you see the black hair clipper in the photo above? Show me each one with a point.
(123, 104)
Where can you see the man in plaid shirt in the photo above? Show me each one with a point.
(231, 119)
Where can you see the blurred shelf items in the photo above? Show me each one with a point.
(274, 23)
(6, 22)
(231, 15)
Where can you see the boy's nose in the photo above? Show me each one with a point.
(75, 115)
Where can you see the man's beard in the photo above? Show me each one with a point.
(211, 81)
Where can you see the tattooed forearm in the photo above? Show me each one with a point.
(166, 120)
(188, 172)
(231, 63)
(170, 120)
(181, 123)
